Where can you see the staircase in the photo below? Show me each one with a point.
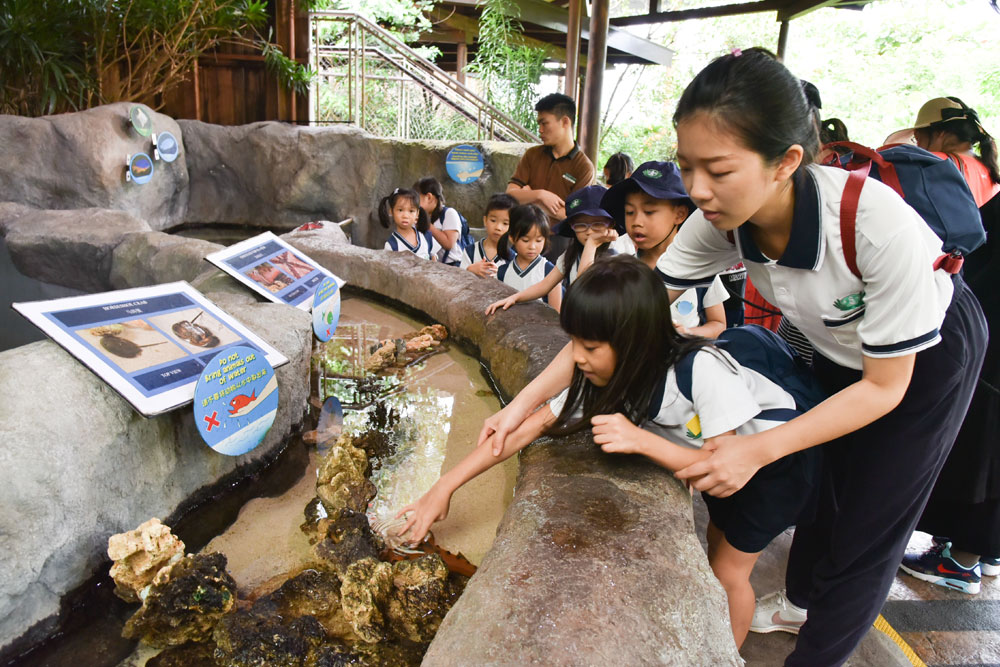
(367, 77)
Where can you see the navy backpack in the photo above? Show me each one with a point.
(763, 351)
(933, 186)
(465, 238)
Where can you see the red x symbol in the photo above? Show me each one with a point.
(212, 421)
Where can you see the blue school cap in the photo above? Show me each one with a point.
(585, 201)
(659, 180)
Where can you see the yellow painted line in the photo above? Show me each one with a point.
(883, 626)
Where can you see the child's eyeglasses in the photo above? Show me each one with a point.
(583, 226)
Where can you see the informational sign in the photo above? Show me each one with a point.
(166, 147)
(140, 169)
(141, 119)
(271, 267)
(326, 308)
(464, 164)
(235, 400)
(150, 344)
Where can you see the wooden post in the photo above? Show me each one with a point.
(461, 59)
(572, 79)
(597, 55)
(294, 116)
(782, 40)
(197, 93)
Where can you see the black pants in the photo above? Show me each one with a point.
(875, 483)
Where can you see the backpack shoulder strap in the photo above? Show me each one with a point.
(683, 374)
(849, 215)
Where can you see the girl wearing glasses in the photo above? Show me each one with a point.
(592, 230)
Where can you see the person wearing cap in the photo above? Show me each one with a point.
(963, 512)
(590, 230)
(652, 204)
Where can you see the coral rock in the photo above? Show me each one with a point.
(348, 538)
(383, 357)
(184, 602)
(251, 639)
(423, 342)
(139, 554)
(342, 478)
(189, 655)
(364, 595)
(437, 331)
(418, 601)
(309, 593)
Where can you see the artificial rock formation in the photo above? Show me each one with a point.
(139, 555)
(342, 479)
(419, 598)
(364, 595)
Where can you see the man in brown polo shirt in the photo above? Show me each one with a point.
(547, 174)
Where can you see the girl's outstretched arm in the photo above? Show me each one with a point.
(617, 435)
(556, 295)
(556, 377)
(737, 458)
(433, 505)
(536, 291)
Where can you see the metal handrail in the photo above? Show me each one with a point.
(422, 71)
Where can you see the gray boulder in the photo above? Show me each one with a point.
(77, 160)
(80, 465)
(155, 257)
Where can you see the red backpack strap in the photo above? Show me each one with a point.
(849, 215)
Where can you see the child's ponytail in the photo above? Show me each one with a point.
(385, 211)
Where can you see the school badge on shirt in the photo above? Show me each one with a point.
(694, 428)
(850, 302)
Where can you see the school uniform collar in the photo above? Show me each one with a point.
(411, 248)
(533, 264)
(482, 251)
(569, 156)
(807, 245)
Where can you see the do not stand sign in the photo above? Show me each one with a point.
(235, 400)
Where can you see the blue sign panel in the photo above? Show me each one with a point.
(464, 164)
(140, 168)
(235, 400)
(167, 148)
(326, 309)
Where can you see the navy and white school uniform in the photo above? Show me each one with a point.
(876, 479)
(450, 221)
(426, 247)
(511, 274)
(726, 396)
(477, 253)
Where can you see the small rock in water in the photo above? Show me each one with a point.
(364, 595)
(417, 603)
(188, 655)
(184, 602)
(342, 479)
(139, 554)
(310, 593)
(347, 538)
(247, 638)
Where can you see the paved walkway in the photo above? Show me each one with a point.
(924, 624)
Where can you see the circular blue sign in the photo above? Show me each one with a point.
(167, 147)
(141, 120)
(235, 400)
(140, 167)
(464, 164)
(326, 308)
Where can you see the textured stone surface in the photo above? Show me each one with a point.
(80, 465)
(69, 248)
(329, 173)
(77, 160)
(155, 257)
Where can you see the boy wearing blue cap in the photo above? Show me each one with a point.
(591, 229)
(652, 204)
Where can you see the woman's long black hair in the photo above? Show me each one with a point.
(757, 99)
(385, 209)
(431, 186)
(619, 300)
(523, 219)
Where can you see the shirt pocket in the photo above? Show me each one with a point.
(844, 329)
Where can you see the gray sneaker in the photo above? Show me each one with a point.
(775, 613)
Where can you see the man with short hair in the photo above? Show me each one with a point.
(547, 174)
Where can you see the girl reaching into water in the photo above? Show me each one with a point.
(625, 349)
(402, 210)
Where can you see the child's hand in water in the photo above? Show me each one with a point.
(432, 506)
(484, 268)
(616, 434)
(501, 304)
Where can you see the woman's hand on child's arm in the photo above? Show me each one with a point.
(503, 304)
(484, 268)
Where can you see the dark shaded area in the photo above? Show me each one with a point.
(942, 615)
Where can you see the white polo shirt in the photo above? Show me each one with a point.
(573, 271)
(724, 397)
(511, 274)
(449, 221)
(895, 309)
(477, 253)
(426, 248)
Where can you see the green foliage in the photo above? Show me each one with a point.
(509, 69)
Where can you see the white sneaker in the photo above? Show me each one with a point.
(775, 613)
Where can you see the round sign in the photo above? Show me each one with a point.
(142, 121)
(326, 308)
(464, 163)
(235, 400)
(167, 147)
(140, 166)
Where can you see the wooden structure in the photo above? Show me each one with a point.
(232, 85)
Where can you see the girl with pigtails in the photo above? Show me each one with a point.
(401, 211)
